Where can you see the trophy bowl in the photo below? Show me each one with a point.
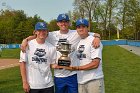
(64, 49)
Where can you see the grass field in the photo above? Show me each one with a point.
(10, 81)
(121, 70)
(10, 53)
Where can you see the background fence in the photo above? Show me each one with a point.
(104, 42)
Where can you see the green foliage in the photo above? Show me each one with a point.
(128, 32)
(73, 25)
(53, 25)
(108, 14)
(104, 16)
(15, 26)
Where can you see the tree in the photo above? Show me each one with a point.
(86, 9)
(103, 13)
(15, 26)
(53, 25)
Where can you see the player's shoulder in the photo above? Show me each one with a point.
(90, 37)
(48, 44)
(72, 31)
(54, 32)
(33, 41)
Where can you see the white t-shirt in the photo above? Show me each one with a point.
(71, 37)
(85, 52)
(38, 59)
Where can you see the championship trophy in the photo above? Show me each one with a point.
(64, 49)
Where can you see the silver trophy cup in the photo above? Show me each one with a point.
(64, 49)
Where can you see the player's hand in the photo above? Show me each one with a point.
(56, 66)
(26, 87)
(96, 42)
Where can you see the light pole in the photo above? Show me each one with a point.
(117, 27)
(118, 34)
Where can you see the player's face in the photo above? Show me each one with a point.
(42, 34)
(63, 25)
(82, 30)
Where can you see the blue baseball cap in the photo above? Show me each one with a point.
(81, 22)
(62, 17)
(41, 26)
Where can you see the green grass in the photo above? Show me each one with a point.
(121, 70)
(10, 81)
(10, 53)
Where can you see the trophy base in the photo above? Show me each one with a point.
(64, 62)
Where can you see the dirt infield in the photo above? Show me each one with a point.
(6, 63)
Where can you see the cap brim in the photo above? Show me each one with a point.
(41, 29)
(62, 20)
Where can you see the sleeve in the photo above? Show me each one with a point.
(91, 33)
(96, 53)
(23, 57)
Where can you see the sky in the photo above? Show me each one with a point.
(46, 9)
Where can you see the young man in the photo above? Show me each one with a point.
(35, 63)
(65, 80)
(89, 72)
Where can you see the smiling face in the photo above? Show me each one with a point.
(63, 25)
(82, 30)
(41, 34)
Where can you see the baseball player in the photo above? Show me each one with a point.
(35, 63)
(89, 69)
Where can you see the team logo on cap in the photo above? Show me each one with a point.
(81, 21)
(64, 16)
(43, 25)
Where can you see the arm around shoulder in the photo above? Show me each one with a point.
(24, 43)
(96, 41)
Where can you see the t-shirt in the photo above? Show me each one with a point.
(72, 38)
(38, 58)
(85, 53)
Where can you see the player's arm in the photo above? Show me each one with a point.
(26, 86)
(92, 65)
(24, 43)
(23, 60)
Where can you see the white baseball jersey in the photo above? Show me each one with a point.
(38, 59)
(85, 52)
(71, 37)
